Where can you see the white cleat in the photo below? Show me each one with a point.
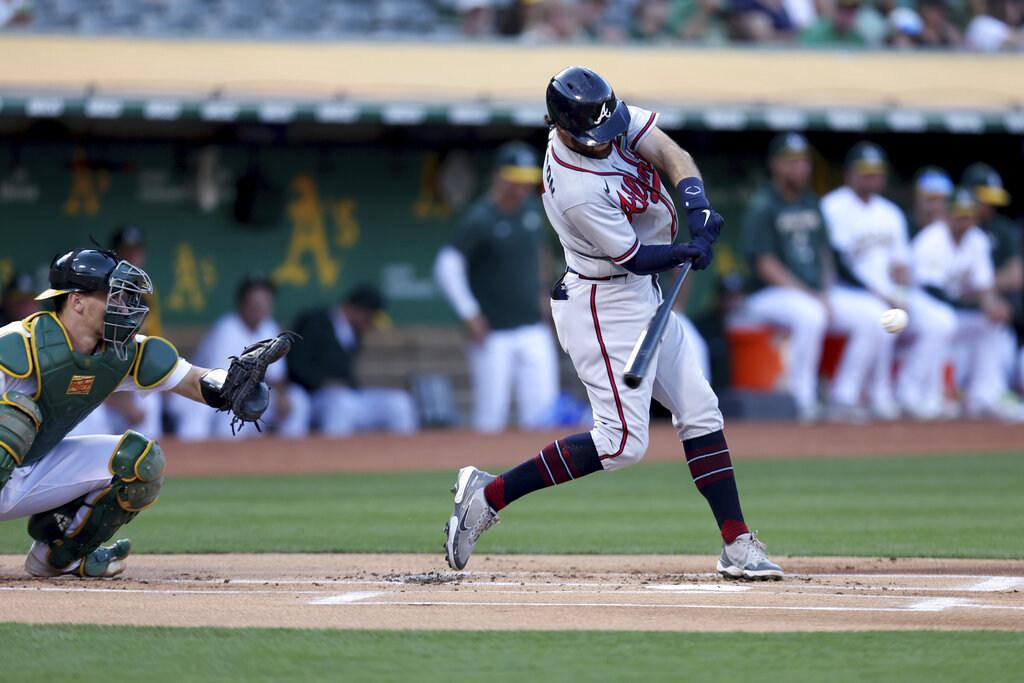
(745, 558)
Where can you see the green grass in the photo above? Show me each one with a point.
(950, 506)
(62, 652)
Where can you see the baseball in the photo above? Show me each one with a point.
(895, 320)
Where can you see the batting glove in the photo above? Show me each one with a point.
(698, 251)
(702, 220)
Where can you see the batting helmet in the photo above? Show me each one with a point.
(584, 104)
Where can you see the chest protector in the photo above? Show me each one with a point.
(71, 385)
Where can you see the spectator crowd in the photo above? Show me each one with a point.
(973, 25)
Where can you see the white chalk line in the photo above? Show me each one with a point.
(439, 603)
(937, 604)
(346, 598)
(985, 583)
(153, 591)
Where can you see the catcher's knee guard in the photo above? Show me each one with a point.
(76, 529)
(19, 424)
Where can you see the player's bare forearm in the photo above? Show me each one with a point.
(1010, 276)
(772, 271)
(828, 268)
(189, 385)
(667, 156)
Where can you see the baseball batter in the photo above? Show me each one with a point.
(604, 196)
(55, 368)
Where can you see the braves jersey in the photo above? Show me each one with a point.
(870, 237)
(960, 269)
(604, 209)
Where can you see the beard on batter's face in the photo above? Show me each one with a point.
(595, 152)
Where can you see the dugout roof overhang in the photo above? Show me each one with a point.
(478, 84)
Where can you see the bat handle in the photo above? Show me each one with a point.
(648, 341)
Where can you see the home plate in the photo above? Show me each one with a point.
(702, 588)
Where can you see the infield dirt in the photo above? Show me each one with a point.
(602, 592)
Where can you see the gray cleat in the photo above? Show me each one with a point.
(745, 558)
(472, 516)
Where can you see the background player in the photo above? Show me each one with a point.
(55, 368)
(953, 262)
(252, 320)
(869, 234)
(491, 274)
(1007, 258)
(605, 199)
(784, 237)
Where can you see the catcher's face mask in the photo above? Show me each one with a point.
(125, 310)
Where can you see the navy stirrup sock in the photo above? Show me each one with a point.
(564, 460)
(711, 469)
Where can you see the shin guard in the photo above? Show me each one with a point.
(76, 529)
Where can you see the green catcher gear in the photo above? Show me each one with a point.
(70, 385)
(76, 529)
(19, 424)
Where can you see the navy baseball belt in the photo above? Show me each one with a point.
(587, 277)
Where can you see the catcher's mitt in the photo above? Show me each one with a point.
(244, 392)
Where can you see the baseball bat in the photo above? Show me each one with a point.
(650, 338)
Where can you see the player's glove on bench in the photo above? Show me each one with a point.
(702, 220)
(241, 388)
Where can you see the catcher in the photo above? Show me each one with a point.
(55, 368)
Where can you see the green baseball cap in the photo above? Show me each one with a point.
(789, 145)
(517, 162)
(962, 202)
(986, 183)
(867, 157)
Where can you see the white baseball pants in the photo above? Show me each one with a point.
(522, 361)
(76, 466)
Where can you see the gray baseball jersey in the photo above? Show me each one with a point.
(620, 200)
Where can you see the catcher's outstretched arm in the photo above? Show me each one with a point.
(189, 386)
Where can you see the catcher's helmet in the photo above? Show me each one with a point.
(94, 270)
(81, 270)
(584, 104)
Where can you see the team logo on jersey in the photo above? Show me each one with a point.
(637, 193)
(603, 115)
(81, 384)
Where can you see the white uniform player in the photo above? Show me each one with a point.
(952, 258)
(869, 234)
(604, 197)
